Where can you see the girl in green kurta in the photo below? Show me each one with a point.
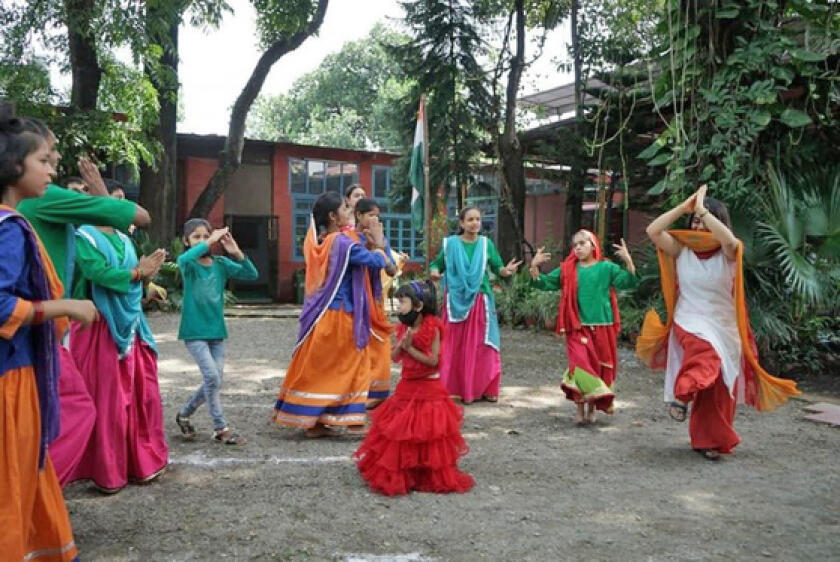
(588, 317)
(470, 366)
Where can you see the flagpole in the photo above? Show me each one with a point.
(427, 201)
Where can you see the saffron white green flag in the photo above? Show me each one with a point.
(415, 172)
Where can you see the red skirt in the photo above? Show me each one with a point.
(414, 442)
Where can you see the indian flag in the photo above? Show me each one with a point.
(415, 173)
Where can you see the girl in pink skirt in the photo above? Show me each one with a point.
(470, 366)
(117, 357)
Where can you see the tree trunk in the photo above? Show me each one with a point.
(511, 231)
(574, 196)
(158, 187)
(83, 60)
(230, 158)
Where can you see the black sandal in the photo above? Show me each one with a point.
(187, 428)
(226, 436)
(680, 407)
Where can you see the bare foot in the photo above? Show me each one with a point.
(318, 431)
(590, 413)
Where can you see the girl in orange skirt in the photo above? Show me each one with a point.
(415, 437)
(33, 317)
(327, 381)
(707, 346)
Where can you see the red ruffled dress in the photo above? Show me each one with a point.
(414, 440)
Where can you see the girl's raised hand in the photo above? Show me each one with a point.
(405, 343)
(231, 247)
(540, 257)
(622, 252)
(376, 233)
(700, 199)
(217, 235)
(511, 267)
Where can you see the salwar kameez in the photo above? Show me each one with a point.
(706, 347)
(470, 365)
(117, 358)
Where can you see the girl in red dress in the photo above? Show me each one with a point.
(415, 436)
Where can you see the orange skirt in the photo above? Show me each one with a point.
(328, 378)
(33, 517)
(379, 353)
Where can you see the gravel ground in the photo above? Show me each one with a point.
(626, 488)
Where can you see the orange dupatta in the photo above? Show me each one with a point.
(769, 392)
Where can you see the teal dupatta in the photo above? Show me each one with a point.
(123, 313)
(463, 279)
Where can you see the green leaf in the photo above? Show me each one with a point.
(707, 172)
(658, 188)
(807, 56)
(651, 151)
(760, 117)
(728, 13)
(660, 159)
(795, 118)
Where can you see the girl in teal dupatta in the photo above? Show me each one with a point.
(117, 358)
(470, 365)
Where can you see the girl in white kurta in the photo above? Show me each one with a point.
(707, 347)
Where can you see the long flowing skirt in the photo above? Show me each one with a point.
(128, 442)
(593, 356)
(78, 416)
(328, 378)
(33, 516)
(414, 442)
(469, 368)
(379, 353)
(701, 383)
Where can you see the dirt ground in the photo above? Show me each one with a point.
(627, 488)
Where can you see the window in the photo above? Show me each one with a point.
(307, 180)
(396, 218)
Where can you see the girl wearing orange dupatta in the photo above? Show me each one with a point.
(588, 318)
(327, 381)
(706, 347)
(33, 317)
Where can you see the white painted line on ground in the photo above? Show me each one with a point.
(357, 557)
(202, 460)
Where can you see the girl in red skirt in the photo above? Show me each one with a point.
(415, 437)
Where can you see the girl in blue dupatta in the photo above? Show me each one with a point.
(327, 381)
(117, 358)
(33, 318)
(470, 365)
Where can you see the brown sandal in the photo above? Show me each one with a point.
(226, 436)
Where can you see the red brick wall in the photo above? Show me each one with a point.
(196, 173)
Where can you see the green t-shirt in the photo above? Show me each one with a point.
(494, 262)
(91, 267)
(51, 214)
(594, 284)
(202, 310)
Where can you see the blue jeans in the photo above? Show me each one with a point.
(210, 357)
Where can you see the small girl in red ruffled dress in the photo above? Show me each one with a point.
(414, 440)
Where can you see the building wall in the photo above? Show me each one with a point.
(250, 191)
(197, 172)
(544, 218)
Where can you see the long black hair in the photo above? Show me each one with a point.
(420, 292)
(718, 209)
(327, 203)
(18, 139)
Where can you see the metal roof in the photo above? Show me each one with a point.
(561, 100)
